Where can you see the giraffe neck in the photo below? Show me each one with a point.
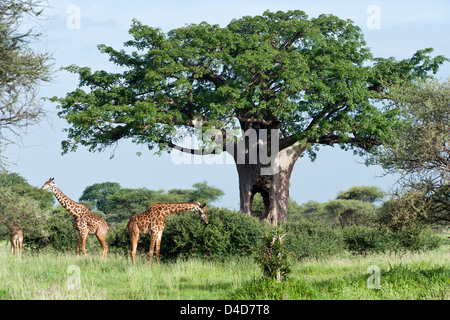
(65, 201)
(172, 208)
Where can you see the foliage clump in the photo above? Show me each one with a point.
(273, 257)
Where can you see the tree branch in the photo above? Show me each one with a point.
(172, 145)
(214, 78)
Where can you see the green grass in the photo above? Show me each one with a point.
(412, 276)
(423, 275)
(63, 276)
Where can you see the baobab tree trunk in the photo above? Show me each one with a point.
(274, 187)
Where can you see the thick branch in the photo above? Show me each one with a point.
(172, 145)
(331, 139)
(200, 152)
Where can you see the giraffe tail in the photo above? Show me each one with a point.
(118, 238)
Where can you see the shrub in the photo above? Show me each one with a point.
(416, 240)
(364, 240)
(314, 240)
(273, 257)
(352, 212)
(61, 233)
(228, 233)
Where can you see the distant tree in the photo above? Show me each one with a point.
(23, 211)
(312, 211)
(204, 193)
(174, 195)
(22, 69)
(22, 204)
(98, 193)
(303, 82)
(20, 186)
(351, 207)
(352, 212)
(362, 193)
(126, 202)
(420, 152)
(10, 179)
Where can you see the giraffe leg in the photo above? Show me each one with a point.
(83, 243)
(102, 239)
(158, 245)
(12, 246)
(134, 239)
(20, 243)
(77, 233)
(152, 247)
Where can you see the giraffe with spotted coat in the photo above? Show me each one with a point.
(152, 221)
(84, 222)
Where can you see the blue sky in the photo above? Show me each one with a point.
(402, 27)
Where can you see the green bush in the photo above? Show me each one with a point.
(228, 233)
(312, 240)
(365, 240)
(416, 240)
(61, 233)
(352, 212)
(273, 257)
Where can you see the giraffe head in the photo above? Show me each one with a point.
(48, 185)
(201, 209)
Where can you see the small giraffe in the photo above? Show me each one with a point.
(84, 222)
(16, 238)
(152, 220)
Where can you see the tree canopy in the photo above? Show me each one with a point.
(362, 193)
(22, 69)
(420, 151)
(307, 77)
(22, 204)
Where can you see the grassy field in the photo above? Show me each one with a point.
(423, 275)
(410, 276)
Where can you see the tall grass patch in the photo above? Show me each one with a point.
(410, 276)
(50, 275)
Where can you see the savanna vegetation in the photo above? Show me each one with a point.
(364, 244)
(418, 275)
(327, 249)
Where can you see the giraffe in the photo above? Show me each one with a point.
(16, 238)
(84, 222)
(152, 221)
